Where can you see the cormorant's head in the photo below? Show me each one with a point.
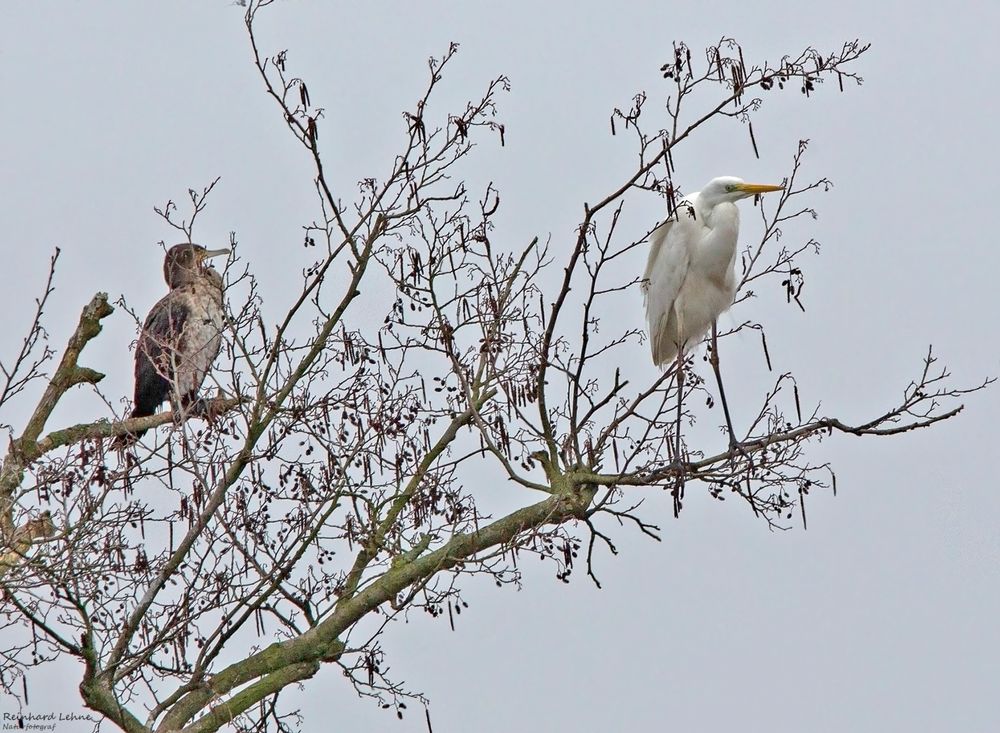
(186, 262)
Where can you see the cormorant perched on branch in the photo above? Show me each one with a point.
(182, 333)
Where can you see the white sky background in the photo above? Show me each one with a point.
(882, 616)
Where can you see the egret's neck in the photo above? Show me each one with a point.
(723, 224)
(718, 214)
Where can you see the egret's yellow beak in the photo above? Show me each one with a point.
(758, 187)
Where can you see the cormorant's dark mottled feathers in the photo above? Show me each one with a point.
(164, 325)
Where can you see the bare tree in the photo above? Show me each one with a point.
(197, 575)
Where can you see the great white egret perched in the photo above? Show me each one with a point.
(690, 276)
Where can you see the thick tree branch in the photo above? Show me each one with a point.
(24, 449)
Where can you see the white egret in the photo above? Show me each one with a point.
(690, 276)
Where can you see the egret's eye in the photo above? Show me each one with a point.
(730, 187)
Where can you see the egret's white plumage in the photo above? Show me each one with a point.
(690, 275)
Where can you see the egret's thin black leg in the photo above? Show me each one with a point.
(714, 360)
(678, 491)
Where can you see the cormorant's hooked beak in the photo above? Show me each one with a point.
(751, 189)
(208, 254)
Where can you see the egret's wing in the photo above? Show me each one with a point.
(666, 268)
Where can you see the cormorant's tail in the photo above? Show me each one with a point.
(126, 439)
(151, 389)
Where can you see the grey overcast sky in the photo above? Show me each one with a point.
(883, 615)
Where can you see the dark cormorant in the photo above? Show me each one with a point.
(182, 333)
